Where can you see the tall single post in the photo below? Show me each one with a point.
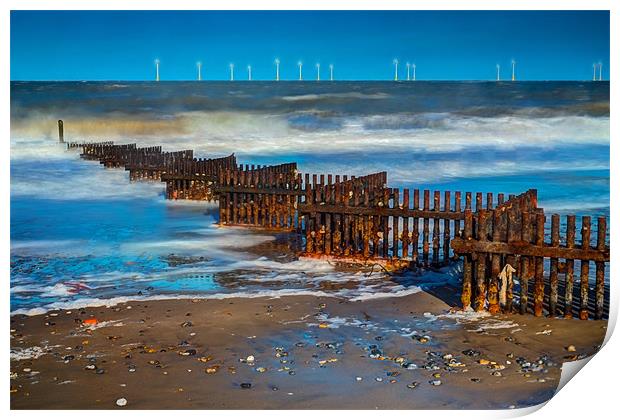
(553, 266)
(277, 69)
(318, 72)
(497, 67)
(250, 73)
(467, 263)
(584, 286)
(514, 63)
(199, 65)
(300, 65)
(539, 280)
(331, 72)
(413, 72)
(600, 268)
(600, 71)
(61, 132)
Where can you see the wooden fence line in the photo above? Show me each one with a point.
(360, 218)
(514, 235)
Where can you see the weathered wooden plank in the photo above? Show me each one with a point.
(600, 268)
(522, 248)
(585, 267)
(539, 280)
(467, 262)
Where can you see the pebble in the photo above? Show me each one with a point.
(471, 353)
(571, 348)
(212, 369)
(249, 359)
(436, 382)
(358, 378)
(378, 379)
(121, 402)
(246, 385)
(188, 352)
(100, 371)
(413, 385)
(475, 380)
(261, 369)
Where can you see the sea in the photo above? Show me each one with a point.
(82, 235)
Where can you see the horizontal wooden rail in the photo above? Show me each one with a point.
(381, 211)
(520, 248)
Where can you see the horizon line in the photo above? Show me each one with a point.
(309, 80)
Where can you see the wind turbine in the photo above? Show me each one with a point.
(413, 65)
(497, 67)
(277, 61)
(594, 72)
(300, 65)
(199, 65)
(157, 69)
(514, 63)
(408, 68)
(249, 73)
(600, 71)
(395, 61)
(331, 72)
(318, 72)
(232, 71)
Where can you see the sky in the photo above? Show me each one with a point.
(361, 45)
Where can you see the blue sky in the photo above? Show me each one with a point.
(453, 45)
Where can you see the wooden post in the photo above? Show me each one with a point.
(467, 262)
(600, 268)
(437, 208)
(395, 224)
(524, 272)
(570, 268)
(415, 236)
(481, 265)
(386, 224)
(495, 266)
(447, 202)
(553, 266)
(585, 268)
(539, 280)
(405, 235)
(426, 232)
(61, 132)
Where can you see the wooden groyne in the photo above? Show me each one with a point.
(514, 257)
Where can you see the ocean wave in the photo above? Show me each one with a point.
(324, 96)
(270, 294)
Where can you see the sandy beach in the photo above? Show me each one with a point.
(297, 352)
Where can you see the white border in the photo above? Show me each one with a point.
(591, 394)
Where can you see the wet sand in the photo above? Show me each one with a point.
(309, 353)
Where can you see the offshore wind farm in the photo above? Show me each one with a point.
(410, 71)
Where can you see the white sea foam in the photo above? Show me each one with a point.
(346, 95)
(273, 294)
(18, 353)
